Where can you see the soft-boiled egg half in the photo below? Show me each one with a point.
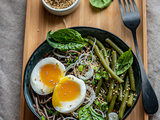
(69, 94)
(46, 75)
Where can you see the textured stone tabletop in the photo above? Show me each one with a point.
(12, 25)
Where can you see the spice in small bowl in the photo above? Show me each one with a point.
(59, 4)
(60, 7)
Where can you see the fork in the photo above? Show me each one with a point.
(131, 20)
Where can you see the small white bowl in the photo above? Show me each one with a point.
(61, 12)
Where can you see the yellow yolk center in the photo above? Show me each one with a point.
(66, 90)
(50, 74)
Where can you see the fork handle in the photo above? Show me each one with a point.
(150, 101)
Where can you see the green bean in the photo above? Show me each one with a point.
(130, 100)
(110, 91)
(104, 87)
(114, 46)
(100, 45)
(120, 93)
(123, 104)
(121, 87)
(104, 63)
(112, 103)
(132, 80)
(114, 60)
(99, 82)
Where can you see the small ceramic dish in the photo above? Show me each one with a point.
(61, 12)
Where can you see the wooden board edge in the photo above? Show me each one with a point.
(22, 100)
(146, 117)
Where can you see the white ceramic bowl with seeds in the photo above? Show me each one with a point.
(61, 8)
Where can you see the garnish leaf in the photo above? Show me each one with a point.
(50, 112)
(100, 3)
(124, 62)
(66, 39)
(43, 118)
(98, 104)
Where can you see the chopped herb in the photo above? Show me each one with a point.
(75, 59)
(43, 118)
(97, 76)
(49, 111)
(56, 113)
(98, 104)
(93, 82)
(69, 62)
(105, 106)
(80, 68)
(84, 65)
(105, 74)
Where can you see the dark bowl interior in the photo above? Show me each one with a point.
(85, 31)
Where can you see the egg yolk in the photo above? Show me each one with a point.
(50, 74)
(66, 90)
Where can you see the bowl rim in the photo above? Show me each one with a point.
(61, 10)
(76, 27)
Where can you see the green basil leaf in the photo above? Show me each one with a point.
(124, 62)
(66, 39)
(100, 3)
(67, 35)
(84, 114)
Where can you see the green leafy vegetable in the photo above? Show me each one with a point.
(84, 114)
(69, 62)
(49, 111)
(56, 113)
(105, 105)
(100, 3)
(43, 118)
(94, 114)
(98, 104)
(93, 82)
(75, 59)
(84, 65)
(80, 68)
(97, 76)
(66, 39)
(89, 114)
(124, 62)
(105, 74)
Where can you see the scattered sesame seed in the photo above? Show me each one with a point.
(62, 88)
(54, 68)
(64, 93)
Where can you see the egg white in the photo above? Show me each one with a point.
(70, 106)
(36, 83)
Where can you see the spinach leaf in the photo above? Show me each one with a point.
(66, 39)
(94, 114)
(84, 114)
(124, 62)
(100, 3)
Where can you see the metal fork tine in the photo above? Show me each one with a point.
(130, 6)
(121, 8)
(125, 5)
(135, 6)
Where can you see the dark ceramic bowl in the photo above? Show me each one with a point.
(85, 31)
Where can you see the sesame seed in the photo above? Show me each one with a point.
(76, 89)
(62, 88)
(66, 83)
(64, 93)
